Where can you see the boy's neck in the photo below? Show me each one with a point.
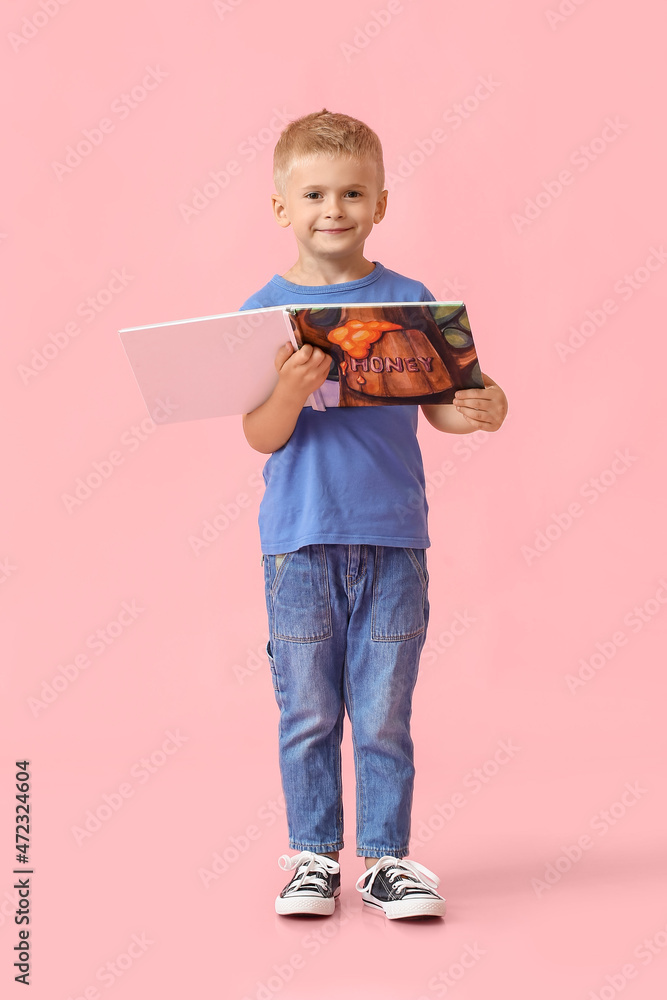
(310, 271)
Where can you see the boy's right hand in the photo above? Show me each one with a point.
(302, 371)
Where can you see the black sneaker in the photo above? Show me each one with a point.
(401, 888)
(313, 887)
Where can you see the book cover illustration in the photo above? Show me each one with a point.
(392, 354)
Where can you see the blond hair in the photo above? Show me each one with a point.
(328, 133)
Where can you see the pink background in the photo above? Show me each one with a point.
(189, 659)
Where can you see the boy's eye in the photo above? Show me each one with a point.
(317, 195)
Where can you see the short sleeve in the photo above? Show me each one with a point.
(250, 303)
(427, 296)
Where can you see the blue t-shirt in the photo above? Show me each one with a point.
(347, 475)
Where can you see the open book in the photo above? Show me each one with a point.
(383, 353)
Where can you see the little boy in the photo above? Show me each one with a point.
(343, 540)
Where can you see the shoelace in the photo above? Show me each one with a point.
(310, 865)
(414, 879)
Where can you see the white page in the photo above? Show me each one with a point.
(213, 366)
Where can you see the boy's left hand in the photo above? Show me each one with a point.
(483, 408)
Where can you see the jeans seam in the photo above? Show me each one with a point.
(299, 845)
(418, 566)
(360, 802)
(398, 852)
(339, 777)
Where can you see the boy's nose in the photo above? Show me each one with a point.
(333, 208)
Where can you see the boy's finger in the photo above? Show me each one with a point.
(282, 355)
(475, 416)
(472, 403)
(317, 355)
(471, 394)
(304, 354)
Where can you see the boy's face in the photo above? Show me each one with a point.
(332, 205)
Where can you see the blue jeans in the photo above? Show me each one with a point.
(347, 624)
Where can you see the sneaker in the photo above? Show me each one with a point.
(313, 887)
(401, 888)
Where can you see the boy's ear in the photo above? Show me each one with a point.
(381, 206)
(279, 210)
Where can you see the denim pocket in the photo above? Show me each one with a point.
(399, 593)
(301, 607)
(419, 556)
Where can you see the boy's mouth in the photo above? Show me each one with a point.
(334, 230)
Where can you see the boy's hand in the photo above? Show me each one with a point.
(302, 371)
(484, 408)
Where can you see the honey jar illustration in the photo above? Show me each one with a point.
(393, 354)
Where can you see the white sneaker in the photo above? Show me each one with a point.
(401, 888)
(314, 886)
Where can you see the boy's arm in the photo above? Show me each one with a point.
(270, 426)
(472, 409)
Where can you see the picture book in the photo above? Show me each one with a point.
(390, 353)
(387, 353)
